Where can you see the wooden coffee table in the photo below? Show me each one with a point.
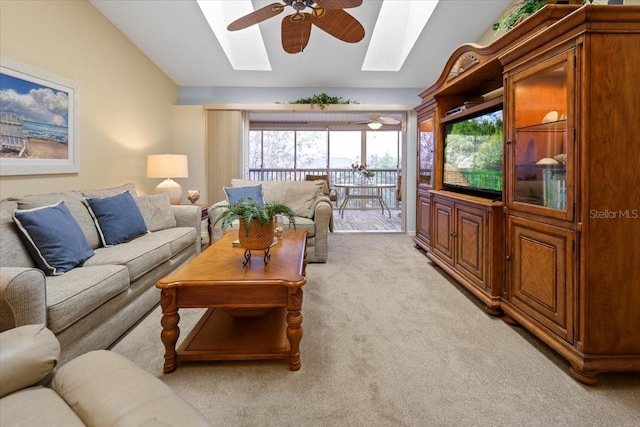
(254, 311)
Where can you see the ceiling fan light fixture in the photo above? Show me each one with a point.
(374, 125)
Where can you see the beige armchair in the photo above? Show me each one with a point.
(99, 388)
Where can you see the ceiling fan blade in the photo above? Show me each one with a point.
(340, 25)
(256, 17)
(295, 33)
(338, 4)
(388, 120)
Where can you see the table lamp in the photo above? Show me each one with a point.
(168, 166)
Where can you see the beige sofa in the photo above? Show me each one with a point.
(99, 388)
(313, 210)
(90, 306)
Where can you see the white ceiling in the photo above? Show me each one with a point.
(175, 36)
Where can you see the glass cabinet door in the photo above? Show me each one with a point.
(541, 153)
(425, 152)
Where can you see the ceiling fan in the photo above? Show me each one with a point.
(376, 121)
(328, 15)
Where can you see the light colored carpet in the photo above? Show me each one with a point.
(389, 340)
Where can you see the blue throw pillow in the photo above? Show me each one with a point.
(117, 218)
(236, 194)
(53, 237)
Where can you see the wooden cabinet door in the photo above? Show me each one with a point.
(443, 224)
(424, 218)
(540, 280)
(470, 241)
(426, 141)
(541, 136)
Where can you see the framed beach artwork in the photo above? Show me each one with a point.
(39, 125)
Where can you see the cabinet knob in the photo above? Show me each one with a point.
(508, 141)
(508, 258)
(452, 234)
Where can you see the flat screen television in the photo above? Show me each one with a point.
(473, 152)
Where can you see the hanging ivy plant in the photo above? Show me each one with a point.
(322, 100)
(517, 13)
(523, 9)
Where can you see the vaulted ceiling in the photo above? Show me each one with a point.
(175, 35)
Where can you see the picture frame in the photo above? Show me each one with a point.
(39, 121)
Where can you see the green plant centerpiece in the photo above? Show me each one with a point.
(257, 221)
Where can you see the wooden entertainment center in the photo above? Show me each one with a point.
(558, 249)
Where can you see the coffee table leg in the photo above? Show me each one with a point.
(294, 327)
(170, 331)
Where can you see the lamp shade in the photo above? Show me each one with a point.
(167, 166)
(374, 125)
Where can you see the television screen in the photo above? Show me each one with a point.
(473, 153)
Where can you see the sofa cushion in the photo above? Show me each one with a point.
(237, 194)
(156, 211)
(13, 252)
(53, 237)
(298, 195)
(118, 218)
(139, 255)
(75, 202)
(179, 238)
(37, 407)
(80, 291)
(302, 224)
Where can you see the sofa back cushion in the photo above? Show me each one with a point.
(156, 211)
(13, 252)
(323, 178)
(108, 192)
(75, 202)
(298, 195)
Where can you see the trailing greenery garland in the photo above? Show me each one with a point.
(322, 100)
(519, 11)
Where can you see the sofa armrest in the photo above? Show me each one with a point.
(187, 215)
(27, 355)
(322, 214)
(22, 297)
(105, 388)
(214, 213)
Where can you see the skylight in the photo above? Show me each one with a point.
(245, 49)
(398, 26)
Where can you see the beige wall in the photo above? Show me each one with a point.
(190, 134)
(125, 101)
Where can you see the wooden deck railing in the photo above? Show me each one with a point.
(336, 176)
